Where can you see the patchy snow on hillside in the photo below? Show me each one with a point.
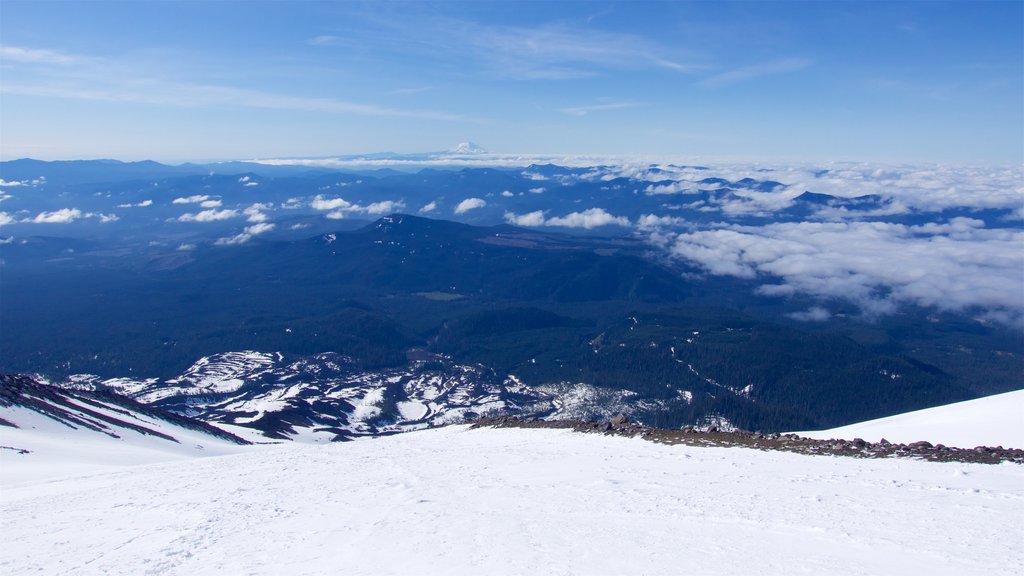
(991, 421)
(511, 501)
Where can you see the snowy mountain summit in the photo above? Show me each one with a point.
(468, 148)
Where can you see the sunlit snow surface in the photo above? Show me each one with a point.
(58, 450)
(991, 421)
(515, 501)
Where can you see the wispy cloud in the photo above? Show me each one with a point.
(99, 80)
(247, 234)
(408, 91)
(812, 314)
(544, 52)
(584, 110)
(324, 40)
(746, 73)
(35, 55)
(554, 52)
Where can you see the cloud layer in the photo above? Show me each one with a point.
(958, 265)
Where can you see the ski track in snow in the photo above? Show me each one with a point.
(511, 501)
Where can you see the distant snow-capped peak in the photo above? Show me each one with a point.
(468, 148)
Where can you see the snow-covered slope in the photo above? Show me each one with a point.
(46, 431)
(511, 501)
(991, 421)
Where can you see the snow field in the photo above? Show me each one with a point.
(58, 451)
(996, 420)
(513, 501)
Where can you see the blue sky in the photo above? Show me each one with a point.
(900, 82)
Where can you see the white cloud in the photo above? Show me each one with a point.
(6, 218)
(62, 216)
(210, 204)
(925, 188)
(339, 207)
(105, 218)
(588, 219)
(507, 193)
(209, 216)
(958, 265)
(677, 187)
(919, 188)
(591, 218)
(428, 208)
(191, 199)
(655, 221)
(184, 247)
(538, 190)
(259, 228)
(899, 189)
(384, 207)
(322, 203)
(812, 314)
(535, 218)
(246, 235)
(141, 204)
(470, 204)
(254, 213)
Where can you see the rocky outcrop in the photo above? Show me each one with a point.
(856, 448)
